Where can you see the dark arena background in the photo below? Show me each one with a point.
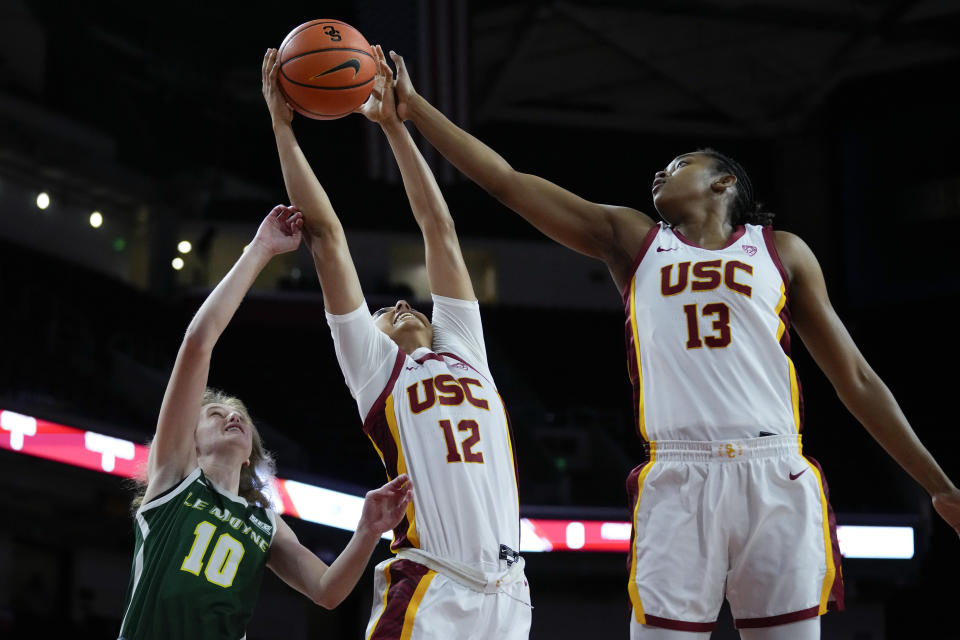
(844, 113)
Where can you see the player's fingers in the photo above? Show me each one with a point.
(398, 61)
(398, 484)
(268, 60)
(382, 61)
(378, 59)
(387, 71)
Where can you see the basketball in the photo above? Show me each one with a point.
(326, 69)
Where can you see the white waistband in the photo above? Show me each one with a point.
(725, 450)
(464, 574)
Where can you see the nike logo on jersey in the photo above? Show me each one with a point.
(659, 249)
(794, 476)
(352, 63)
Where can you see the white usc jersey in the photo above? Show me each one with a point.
(437, 416)
(708, 342)
(444, 423)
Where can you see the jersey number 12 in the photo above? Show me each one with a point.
(469, 455)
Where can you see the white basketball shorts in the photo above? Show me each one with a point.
(415, 602)
(749, 520)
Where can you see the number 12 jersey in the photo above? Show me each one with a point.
(436, 415)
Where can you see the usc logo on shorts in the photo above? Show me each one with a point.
(729, 450)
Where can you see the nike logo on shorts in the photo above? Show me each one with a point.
(794, 476)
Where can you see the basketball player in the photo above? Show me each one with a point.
(725, 505)
(429, 406)
(204, 529)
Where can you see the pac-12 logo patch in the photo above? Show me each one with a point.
(749, 249)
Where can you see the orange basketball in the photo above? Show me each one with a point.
(326, 69)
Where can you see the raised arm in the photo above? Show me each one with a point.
(324, 233)
(329, 585)
(446, 269)
(173, 451)
(860, 389)
(609, 233)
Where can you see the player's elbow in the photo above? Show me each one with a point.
(439, 226)
(324, 232)
(502, 181)
(858, 384)
(326, 600)
(199, 338)
(327, 242)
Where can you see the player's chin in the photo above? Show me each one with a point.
(236, 440)
(412, 323)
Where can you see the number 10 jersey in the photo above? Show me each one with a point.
(198, 563)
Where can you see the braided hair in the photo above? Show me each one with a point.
(745, 208)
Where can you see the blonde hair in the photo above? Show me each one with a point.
(255, 477)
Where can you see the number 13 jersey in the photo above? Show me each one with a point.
(708, 339)
(436, 415)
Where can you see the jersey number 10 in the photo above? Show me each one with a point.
(223, 562)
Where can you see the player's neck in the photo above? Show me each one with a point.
(709, 231)
(410, 344)
(224, 473)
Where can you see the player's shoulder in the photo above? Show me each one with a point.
(630, 230)
(795, 254)
(629, 218)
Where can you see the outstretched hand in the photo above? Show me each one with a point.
(380, 107)
(403, 87)
(947, 505)
(383, 508)
(280, 231)
(280, 111)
